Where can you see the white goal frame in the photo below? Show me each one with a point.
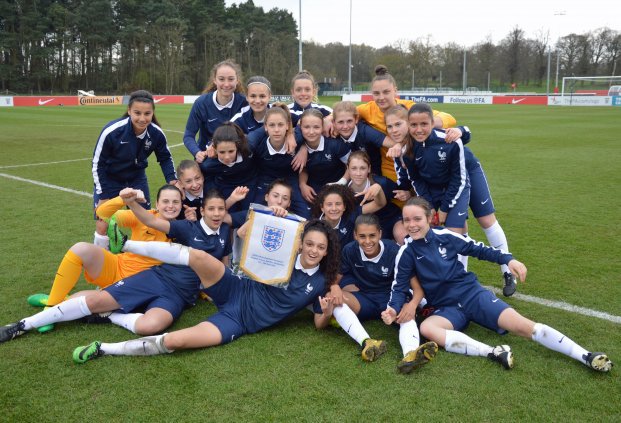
(611, 79)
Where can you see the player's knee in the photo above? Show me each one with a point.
(101, 227)
(150, 326)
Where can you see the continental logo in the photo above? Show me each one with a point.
(98, 101)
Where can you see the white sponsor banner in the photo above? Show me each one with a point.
(352, 97)
(270, 246)
(579, 101)
(6, 101)
(469, 99)
(190, 99)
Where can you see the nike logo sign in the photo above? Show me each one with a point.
(42, 102)
(516, 101)
(418, 158)
(358, 265)
(199, 240)
(149, 233)
(124, 142)
(483, 202)
(494, 300)
(461, 214)
(561, 340)
(158, 100)
(211, 120)
(418, 258)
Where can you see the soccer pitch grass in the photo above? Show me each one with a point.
(555, 176)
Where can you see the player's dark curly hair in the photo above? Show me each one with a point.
(330, 264)
(346, 194)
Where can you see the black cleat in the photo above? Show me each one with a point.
(510, 284)
(502, 354)
(11, 331)
(97, 318)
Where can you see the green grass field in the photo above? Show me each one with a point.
(555, 177)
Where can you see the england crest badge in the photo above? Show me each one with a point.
(272, 238)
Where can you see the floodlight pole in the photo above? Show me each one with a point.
(349, 67)
(548, 77)
(300, 41)
(464, 73)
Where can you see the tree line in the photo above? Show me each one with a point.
(169, 47)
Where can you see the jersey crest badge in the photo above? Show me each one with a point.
(309, 289)
(147, 144)
(328, 157)
(384, 271)
(272, 238)
(442, 156)
(442, 252)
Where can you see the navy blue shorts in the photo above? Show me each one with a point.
(481, 202)
(113, 188)
(483, 308)
(146, 289)
(457, 215)
(371, 304)
(226, 295)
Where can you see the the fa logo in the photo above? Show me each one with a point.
(384, 271)
(309, 289)
(272, 238)
(442, 156)
(147, 144)
(442, 251)
(328, 157)
(221, 242)
(120, 283)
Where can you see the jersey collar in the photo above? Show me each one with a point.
(375, 259)
(208, 230)
(309, 272)
(319, 148)
(226, 106)
(271, 150)
(353, 136)
(238, 160)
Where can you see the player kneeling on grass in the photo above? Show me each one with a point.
(244, 305)
(431, 255)
(366, 275)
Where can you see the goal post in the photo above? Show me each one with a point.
(596, 83)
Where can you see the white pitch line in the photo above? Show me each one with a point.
(561, 305)
(42, 164)
(46, 185)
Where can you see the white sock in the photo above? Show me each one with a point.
(101, 241)
(409, 338)
(166, 252)
(463, 260)
(126, 320)
(497, 239)
(460, 343)
(556, 341)
(149, 345)
(71, 309)
(350, 323)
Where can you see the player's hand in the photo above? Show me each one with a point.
(518, 269)
(190, 213)
(308, 193)
(279, 211)
(239, 193)
(290, 143)
(402, 195)
(210, 151)
(130, 194)
(452, 134)
(327, 306)
(407, 313)
(395, 151)
(327, 126)
(441, 218)
(369, 194)
(389, 315)
(337, 295)
(200, 156)
(299, 160)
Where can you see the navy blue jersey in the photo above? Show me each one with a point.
(226, 178)
(369, 139)
(205, 117)
(369, 275)
(326, 163)
(246, 121)
(121, 156)
(297, 110)
(270, 164)
(264, 305)
(345, 227)
(198, 236)
(437, 170)
(191, 201)
(434, 261)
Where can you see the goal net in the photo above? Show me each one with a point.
(591, 85)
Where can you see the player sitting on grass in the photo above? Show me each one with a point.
(366, 274)
(430, 258)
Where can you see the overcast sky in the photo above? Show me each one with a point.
(382, 22)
